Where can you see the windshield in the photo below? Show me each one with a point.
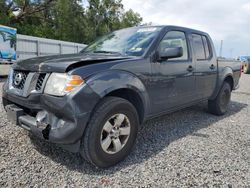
(128, 42)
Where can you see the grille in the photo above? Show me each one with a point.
(19, 79)
(40, 80)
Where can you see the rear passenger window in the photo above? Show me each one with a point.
(207, 49)
(175, 39)
(198, 47)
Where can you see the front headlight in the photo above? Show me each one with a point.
(59, 84)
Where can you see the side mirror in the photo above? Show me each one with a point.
(169, 53)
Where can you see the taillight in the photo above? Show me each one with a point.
(241, 70)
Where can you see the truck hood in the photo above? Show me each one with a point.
(62, 63)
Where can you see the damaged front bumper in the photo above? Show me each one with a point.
(60, 120)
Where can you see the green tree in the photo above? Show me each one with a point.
(30, 19)
(103, 16)
(12, 39)
(130, 19)
(67, 19)
(3, 35)
(108, 15)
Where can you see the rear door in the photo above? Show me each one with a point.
(206, 66)
(174, 81)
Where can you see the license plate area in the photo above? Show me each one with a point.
(13, 113)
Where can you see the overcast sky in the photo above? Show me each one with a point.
(227, 20)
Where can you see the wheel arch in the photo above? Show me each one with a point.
(133, 97)
(225, 75)
(121, 84)
(229, 79)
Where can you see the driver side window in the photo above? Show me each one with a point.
(175, 39)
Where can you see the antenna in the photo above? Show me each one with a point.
(231, 52)
(221, 47)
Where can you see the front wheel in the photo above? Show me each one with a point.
(219, 105)
(111, 132)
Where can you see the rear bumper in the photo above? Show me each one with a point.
(60, 120)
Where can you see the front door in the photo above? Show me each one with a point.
(173, 79)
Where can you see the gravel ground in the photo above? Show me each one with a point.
(183, 149)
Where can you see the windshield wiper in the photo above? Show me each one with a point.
(106, 52)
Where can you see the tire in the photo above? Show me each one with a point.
(219, 105)
(246, 68)
(108, 112)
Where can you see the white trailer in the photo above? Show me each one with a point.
(28, 47)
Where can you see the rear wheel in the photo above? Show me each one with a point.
(111, 132)
(219, 105)
(246, 68)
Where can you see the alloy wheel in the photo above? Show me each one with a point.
(115, 133)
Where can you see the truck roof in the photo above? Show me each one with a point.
(176, 27)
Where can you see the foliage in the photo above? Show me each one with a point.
(2, 34)
(70, 20)
(12, 39)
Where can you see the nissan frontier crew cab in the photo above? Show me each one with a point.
(94, 101)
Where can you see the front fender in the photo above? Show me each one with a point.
(223, 74)
(105, 82)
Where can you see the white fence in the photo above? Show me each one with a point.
(28, 47)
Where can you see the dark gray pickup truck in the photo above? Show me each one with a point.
(94, 101)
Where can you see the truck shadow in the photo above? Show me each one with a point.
(154, 136)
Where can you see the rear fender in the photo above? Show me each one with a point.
(227, 72)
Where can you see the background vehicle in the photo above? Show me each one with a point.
(7, 43)
(93, 102)
(245, 63)
(29, 47)
(7, 48)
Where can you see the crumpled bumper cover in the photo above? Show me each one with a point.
(59, 120)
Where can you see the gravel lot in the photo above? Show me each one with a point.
(183, 149)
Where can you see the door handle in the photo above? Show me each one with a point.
(190, 68)
(212, 67)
